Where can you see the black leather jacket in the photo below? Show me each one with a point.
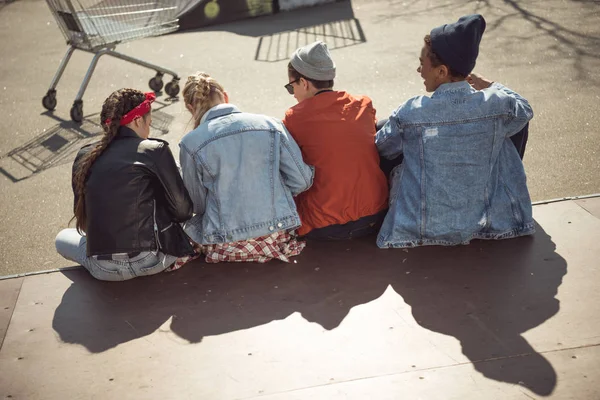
(134, 192)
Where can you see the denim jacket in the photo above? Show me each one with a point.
(461, 177)
(242, 171)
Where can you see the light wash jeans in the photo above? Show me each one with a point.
(72, 246)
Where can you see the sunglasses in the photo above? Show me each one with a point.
(289, 86)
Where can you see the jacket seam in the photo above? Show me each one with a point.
(215, 182)
(200, 146)
(423, 177)
(225, 113)
(287, 193)
(486, 194)
(160, 148)
(269, 223)
(455, 122)
(272, 173)
(513, 202)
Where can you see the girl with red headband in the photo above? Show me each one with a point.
(129, 197)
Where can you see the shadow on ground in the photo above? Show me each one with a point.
(4, 3)
(485, 295)
(280, 34)
(560, 33)
(60, 143)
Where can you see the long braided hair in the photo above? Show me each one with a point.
(114, 108)
(201, 91)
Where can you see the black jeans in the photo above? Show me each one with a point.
(354, 229)
(519, 140)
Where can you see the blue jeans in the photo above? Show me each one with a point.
(72, 246)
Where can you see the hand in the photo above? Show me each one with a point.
(479, 82)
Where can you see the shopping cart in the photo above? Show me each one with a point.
(98, 27)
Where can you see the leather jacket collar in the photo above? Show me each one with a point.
(125, 132)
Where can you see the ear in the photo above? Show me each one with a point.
(138, 122)
(443, 72)
(189, 108)
(305, 84)
(226, 97)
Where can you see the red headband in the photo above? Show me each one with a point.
(139, 111)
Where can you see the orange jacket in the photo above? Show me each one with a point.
(336, 133)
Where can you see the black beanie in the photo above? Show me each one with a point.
(457, 44)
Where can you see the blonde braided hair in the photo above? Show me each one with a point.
(114, 108)
(202, 92)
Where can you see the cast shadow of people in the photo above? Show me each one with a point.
(485, 295)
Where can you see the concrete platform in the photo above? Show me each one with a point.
(513, 319)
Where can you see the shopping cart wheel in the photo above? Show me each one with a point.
(49, 100)
(77, 111)
(156, 83)
(172, 88)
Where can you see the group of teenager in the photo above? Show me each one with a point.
(441, 170)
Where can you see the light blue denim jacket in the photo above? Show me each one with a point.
(461, 177)
(242, 171)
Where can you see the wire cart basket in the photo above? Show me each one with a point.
(98, 27)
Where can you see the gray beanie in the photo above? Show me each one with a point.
(314, 62)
